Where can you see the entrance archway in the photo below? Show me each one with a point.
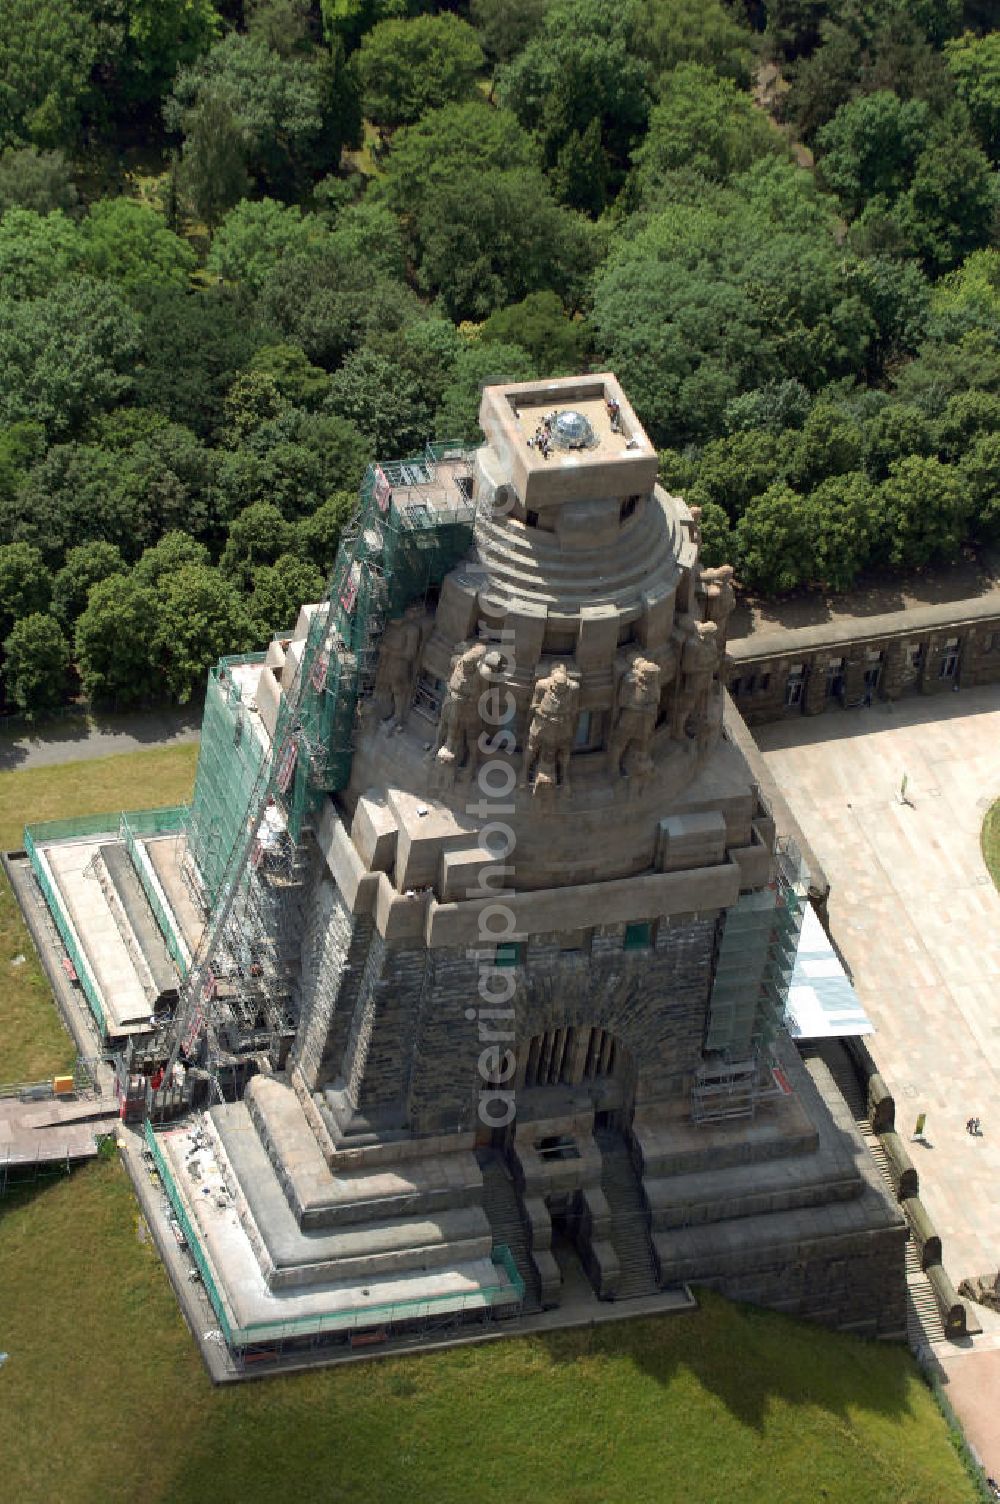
(571, 1056)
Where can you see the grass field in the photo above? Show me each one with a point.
(990, 842)
(33, 1042)
(102, 1398)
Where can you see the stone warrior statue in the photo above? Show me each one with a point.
(720, 599)
(461, 722)
(699, 660)
(551, 728)
(638, 708)
(396, 665)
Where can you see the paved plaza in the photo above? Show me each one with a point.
(917, 919)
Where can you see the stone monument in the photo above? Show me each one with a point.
(542, 948)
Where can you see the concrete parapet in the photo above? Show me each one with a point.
(958, 1320)
(923, 1230)
(905, 1180)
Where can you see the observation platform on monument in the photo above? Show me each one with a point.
(574, 440)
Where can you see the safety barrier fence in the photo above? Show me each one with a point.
(508, 1290)
(78, 828)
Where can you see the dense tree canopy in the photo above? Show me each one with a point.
(223, 292)
(581, 90)
(67, 355)
(47, 51)
(703, 124)
(288, 117)
(130, 244)
(38, 180)
(86, 565)
(975, 66)
(408, 67)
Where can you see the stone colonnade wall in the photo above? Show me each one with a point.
(923, 650)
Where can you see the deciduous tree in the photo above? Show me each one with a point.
(38, 180)
(974, 63)
(114, 643)
(200, 617)
(258, 536)
(318, 535)
(538, 324)
(581, 67)
(776, 541)
(256, 237)
(25, 584)
(407, 67)
(86, 565)
(279, 591)
(36, 663)
(926, 506)
(130, 244)
(66, 356)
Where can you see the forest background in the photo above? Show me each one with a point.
(247, 247)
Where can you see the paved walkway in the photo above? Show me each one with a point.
(75, 738)
(917, 918)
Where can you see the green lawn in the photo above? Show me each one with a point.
(103, 1397)
(990, 841)
(33, 1042)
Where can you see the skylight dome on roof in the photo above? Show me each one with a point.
(571, 430)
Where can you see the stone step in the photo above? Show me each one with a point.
(924, 1323)
(677, 1146)
(575, 592)
(321, 1198)
(508, 1224)
(536, 553)
(291, 1257)
(735, 1191)
(629, 1219)
(532, 568)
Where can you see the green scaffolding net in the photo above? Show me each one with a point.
(413, 525)
(230, 759)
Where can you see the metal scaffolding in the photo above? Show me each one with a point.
(253, 805)
(753, 971)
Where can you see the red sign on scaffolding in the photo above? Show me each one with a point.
(382, 491)
(349, 589)
(320, 669)
(286, 766)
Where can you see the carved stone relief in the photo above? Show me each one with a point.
(460, 718)
(699, 662)
(720, 599)
(397, 667)
(552, 722)
(637, 709)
